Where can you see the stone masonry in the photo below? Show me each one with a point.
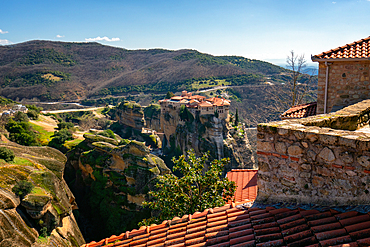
(318, 160)
(348, 84)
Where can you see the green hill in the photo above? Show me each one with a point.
(53, 71)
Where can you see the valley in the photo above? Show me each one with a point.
(117, 121)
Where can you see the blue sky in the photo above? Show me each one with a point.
(257, 29)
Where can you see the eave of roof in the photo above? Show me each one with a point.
(355, 51)
(237, 226)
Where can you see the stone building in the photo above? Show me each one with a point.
(343, 76)
(197, 104)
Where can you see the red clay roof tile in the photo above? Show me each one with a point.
(253, 227)
(356, 50)
(300, 111)
(246, 182)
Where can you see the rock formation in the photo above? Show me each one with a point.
(202, 133)
(47, 209)
(130, 114)
(110, 180)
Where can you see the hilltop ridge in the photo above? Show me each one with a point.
(49, 70)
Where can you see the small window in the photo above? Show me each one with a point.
(344, 75)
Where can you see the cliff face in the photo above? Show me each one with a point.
(204, 133)
(110, 182)
(46, 210)
(130, 114)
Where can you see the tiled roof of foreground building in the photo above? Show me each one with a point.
(356, 50)
(236, 226)
(246, 183)
(300, 111)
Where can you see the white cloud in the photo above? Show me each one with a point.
(105, 38)
(2, 32)
(4, 42)
(60, 36)
(336, 2)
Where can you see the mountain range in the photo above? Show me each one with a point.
(64, 71)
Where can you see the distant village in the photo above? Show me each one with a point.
(14, 110)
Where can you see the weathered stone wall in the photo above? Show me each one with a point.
(313, 164)
(348, 84)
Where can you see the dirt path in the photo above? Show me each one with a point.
(46, 122)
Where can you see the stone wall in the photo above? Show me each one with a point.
(315, 164)
(348, 84)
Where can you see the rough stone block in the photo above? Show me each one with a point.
(346, 157)
(312, 137)
(317, 181)
(265, 146)
(324, 171)
(305, 175)
(364, 161)
(280, 147)
(295, 150)
(327, 155)
(328, 139)
(306, 166)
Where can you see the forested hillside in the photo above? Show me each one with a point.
(52, 71)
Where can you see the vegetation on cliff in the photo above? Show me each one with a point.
(194, 191)
(111, 177)
(36, 200)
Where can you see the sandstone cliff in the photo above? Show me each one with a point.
(130, 114)
(110, 180)
(204, 133)
(47, 209)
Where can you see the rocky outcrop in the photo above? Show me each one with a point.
(207, 133)
(47, 209)
(110, 183)
(152, 115)
(130, 114)
(238, 147)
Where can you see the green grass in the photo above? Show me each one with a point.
(23, 162)
(42, 240)
(72, 143)
(38, 191)
(209, 83)
(44, 135)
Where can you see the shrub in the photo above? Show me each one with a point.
(21, 117)
(22, 188)
(65, 125)
(32, 114)
(107, 133)
(6, 154)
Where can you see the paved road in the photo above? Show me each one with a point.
(73, 110)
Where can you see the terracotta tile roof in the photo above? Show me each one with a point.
(205, 104)
(237, 226)
(356, 50)
(218, 101)
(246, 182)
(300, 111)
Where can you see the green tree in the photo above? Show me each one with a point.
(22, 188)
(65, 125)
(169, 95)
(21, 133)
(6, 154)
(236, 118)
(195, 191)
(32, 114)
(21, 117)
(61, 136)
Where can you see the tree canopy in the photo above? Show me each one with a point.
(195, 191)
